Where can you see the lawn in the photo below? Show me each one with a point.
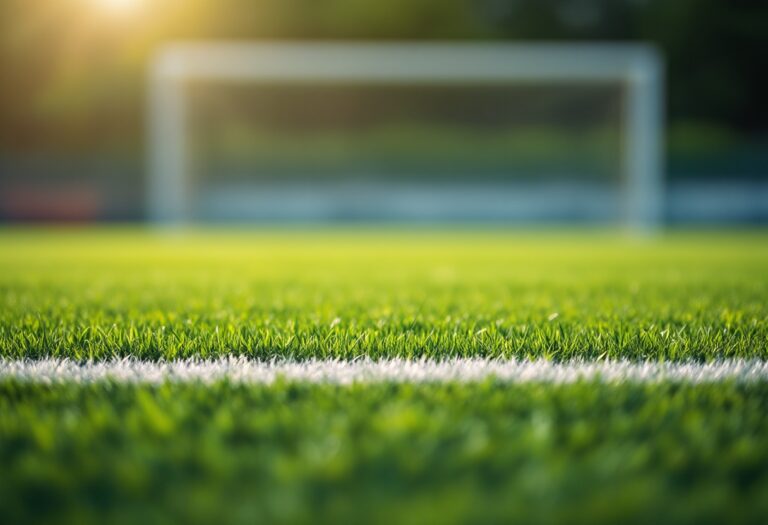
(410, 452)
(384, 453)
(343, 294)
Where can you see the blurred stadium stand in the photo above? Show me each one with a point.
(72, 119)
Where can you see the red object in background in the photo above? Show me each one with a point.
(50, 204)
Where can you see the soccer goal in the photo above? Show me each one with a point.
(406, 131)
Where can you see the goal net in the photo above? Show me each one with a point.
(405, 132)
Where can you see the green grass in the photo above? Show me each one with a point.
(385, 453)
(93, 295)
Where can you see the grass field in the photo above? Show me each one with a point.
(382, 294)
(487, 450)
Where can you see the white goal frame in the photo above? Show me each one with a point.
(636, 66)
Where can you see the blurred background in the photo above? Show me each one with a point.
(73, 103)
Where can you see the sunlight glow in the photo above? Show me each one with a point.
(117, 7)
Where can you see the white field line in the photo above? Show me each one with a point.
(245, 370)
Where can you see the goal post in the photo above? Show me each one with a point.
(636, 67)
